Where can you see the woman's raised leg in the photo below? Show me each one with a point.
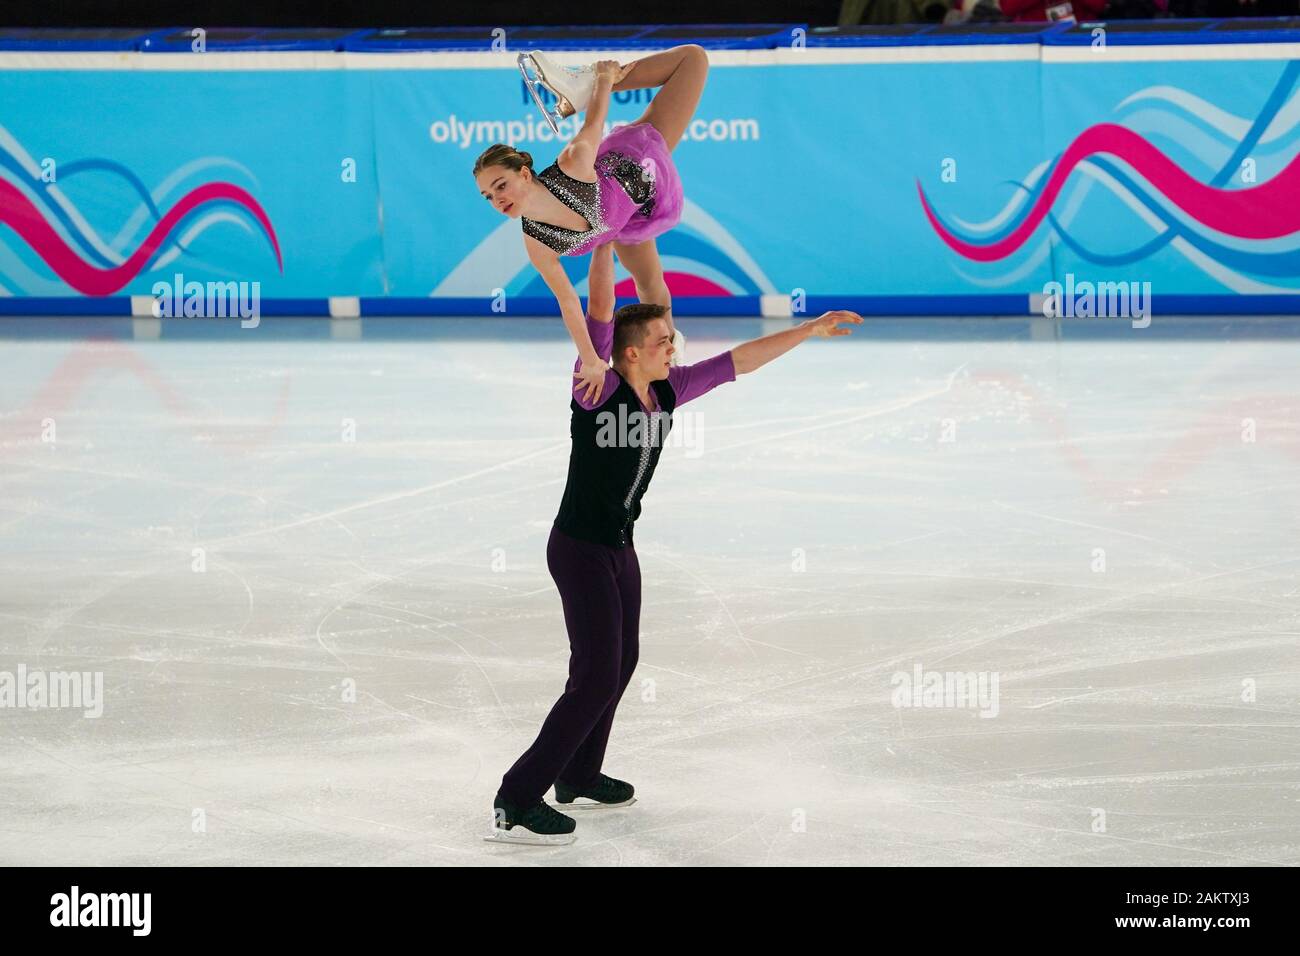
(642, 260)
(681, 72)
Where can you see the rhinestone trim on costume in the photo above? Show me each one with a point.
(582, 197)
(652, 438)
(637, 181)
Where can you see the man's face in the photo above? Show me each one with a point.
(654, 353)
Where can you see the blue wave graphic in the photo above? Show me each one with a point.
(55, 211)
(1275, 264)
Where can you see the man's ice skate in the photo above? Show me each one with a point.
(538, 825)
(679, 348)
(571, 86)
(603, 793)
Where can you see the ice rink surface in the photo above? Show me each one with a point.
(1106, 526)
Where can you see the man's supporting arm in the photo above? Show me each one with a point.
(600, 321)
(600, 284)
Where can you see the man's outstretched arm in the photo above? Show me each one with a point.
(758, 352)
(689, 382)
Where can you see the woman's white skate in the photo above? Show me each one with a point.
(571, 86)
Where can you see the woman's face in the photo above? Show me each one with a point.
(504, 188)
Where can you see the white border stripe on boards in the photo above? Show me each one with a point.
(783, 56)
(1179, 51)
(430, 60)
(263, 60)
(172, 62)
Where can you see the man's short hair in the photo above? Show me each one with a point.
(630, 325)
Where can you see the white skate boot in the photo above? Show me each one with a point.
(571, 86)
(679, 348)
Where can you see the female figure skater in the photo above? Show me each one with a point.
(622, 189)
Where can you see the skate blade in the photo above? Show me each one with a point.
(582, 803)
(523, 837)
(535, 85)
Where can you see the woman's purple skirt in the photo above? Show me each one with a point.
(640, 142)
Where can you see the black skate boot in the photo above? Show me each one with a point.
(602, 793)
(539, 825)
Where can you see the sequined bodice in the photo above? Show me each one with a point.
(584, 199)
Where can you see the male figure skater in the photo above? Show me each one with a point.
(590, 553)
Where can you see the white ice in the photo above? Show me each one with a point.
(1107, 526)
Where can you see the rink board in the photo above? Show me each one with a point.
(925, 179)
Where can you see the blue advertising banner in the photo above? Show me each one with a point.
(1185, 173)
(914, 179)
(112, 180)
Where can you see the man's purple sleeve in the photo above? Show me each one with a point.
(602, 339)
(692, 381)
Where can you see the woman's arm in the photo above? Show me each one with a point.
(547, 262)
(578, 159)
(593, 125)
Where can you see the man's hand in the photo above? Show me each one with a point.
(827, 324)
(592, 378)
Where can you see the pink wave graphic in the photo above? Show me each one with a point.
(679, 283)
(1266, 211)
(18, 212)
